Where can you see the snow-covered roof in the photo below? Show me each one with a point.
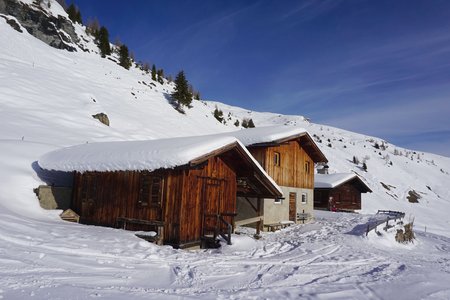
(141, 155)
(132, 155)
(329, 181)
(279, 134)
(268, 134)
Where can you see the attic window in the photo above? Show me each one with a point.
(276, 159)
(150, 190)
(307, 167)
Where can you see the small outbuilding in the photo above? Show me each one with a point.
(182, 189)
(340, 191)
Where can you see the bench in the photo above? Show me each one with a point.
(122, 222)
(278, 226)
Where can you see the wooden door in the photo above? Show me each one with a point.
(211, 199)
(88, 196)
(292, 206)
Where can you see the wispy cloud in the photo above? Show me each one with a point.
(308, 10)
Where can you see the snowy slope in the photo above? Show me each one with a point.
(47, 99)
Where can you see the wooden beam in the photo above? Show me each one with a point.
(249, 221)
(260, 222)
(252, 205)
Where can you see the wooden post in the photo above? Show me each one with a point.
(258, 212)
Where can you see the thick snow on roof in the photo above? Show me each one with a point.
(139, 155)
(332, 180)
(266, 134)
(133, 155)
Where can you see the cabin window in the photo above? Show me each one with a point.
(307, 167)
(150, 190)
(276, 159)
(304, 198)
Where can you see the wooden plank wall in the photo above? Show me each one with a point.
(109, 195)
(224, 200)
(172, 201)
(346, 196)
(291, 171)
(321, 198)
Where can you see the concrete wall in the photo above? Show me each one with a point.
(275, 212)
(51, 197)
(244, 209)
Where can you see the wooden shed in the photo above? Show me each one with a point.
(184, 189)
(288, 154)
(340, 191)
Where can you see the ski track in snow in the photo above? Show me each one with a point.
(314, 261)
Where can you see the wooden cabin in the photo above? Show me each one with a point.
(288, 154)
(339, 192)
(184, 189)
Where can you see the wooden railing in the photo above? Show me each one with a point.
(391, 215)
(229, 228)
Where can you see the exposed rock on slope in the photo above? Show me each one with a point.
(57, 32)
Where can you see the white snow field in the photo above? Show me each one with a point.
(47, 99)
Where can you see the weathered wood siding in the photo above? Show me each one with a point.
(101, 197)
(187, 194)
(346, 197)
(291, 171)
(321, 197)
(208, 190)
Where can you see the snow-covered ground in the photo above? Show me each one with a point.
(328, 259)
(47, 99)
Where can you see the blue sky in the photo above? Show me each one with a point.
(378, 67)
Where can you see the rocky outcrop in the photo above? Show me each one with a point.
(12, 23)
(57, 32)
(102, 117)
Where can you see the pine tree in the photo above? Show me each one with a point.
(154, 72)
(218, 114)
(181, 93)
(248, 123)
(160, 74)
(197, 96)
(124, 58)
(78, 17)
(93, 27)
(364, 166)
(146, 67)
(72, 12)
(103, 41)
